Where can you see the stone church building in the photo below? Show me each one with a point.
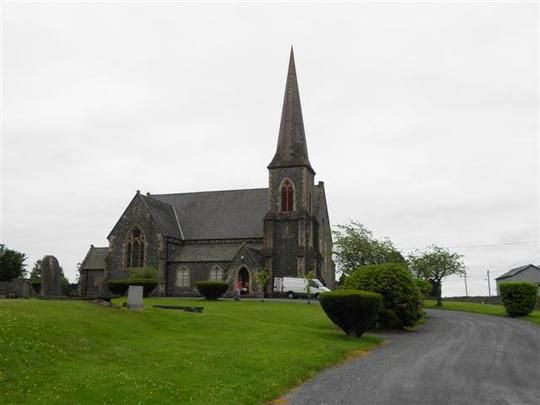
(226, 235)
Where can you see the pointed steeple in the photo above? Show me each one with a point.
(292, 147)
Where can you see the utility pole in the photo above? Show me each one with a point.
(466, 290)
(489, 283)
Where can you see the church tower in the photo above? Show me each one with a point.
(290, 228)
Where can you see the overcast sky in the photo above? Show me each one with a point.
(421, 118)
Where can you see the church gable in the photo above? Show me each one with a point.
(135, 241)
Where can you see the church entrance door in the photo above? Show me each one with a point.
(243, 277)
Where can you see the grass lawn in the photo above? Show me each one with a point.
(233, 353)
(488, 309)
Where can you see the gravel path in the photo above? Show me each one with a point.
(455, 358)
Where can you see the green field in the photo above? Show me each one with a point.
(244, 352)
(488, 309)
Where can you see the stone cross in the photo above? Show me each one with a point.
(50, 277)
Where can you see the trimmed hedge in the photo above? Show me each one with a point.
(118, 286)
(519, 298)
(402, 299)
(212, 290)
(353, 311)
(148, 285)
(121, 286)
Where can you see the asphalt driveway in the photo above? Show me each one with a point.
(455, 358)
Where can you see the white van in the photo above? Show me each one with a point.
(294, 287)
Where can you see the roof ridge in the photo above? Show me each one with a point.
(208, 191)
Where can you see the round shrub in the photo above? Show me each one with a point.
(402, 300)
(212, 290)
(118, 286)
(519, 298)
(148, 285)
(353, 311)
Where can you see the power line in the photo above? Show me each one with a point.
(486, 245)
(493, 244)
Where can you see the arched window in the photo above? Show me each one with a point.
(287, 196)
(135, 248)
(216, 273)
(182, 277)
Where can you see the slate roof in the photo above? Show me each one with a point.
(164, 216)
(256, 254)
(292, 146)
(228, 214)
(515, 271)
(209, 253)
(95, 258)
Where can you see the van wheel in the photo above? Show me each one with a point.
(290, 295)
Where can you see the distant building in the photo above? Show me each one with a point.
(528, 273)
(226, 235)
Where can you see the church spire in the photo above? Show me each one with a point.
(292, 147)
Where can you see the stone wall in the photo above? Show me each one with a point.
(136, 214)
(92, 282)
(16, 288)
(303, 181)
(198, 271)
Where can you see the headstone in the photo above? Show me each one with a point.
(135, 297)
(50, 277)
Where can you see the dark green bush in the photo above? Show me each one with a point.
(148, 285)
(212, 290)
(118, 286)
(402, 300)
(424, 286)
(147, 277)
(519, 298)
(353, 311)
(139, 273)
(36, 285)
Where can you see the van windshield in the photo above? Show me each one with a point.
(317, 283)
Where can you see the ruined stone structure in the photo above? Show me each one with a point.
(227, 235)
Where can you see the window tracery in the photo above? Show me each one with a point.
(287, 196)
(135, 248)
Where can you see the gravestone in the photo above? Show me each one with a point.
(50, 277)
(135, 297)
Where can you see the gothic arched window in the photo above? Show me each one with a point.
(287, 196)
(182, 277)
(135, 248)
(216, 273)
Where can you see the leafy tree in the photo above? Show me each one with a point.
(11, 264)
(435, 264)
(261, 278)
(355, 246)
(35, 273)
(309, 278)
